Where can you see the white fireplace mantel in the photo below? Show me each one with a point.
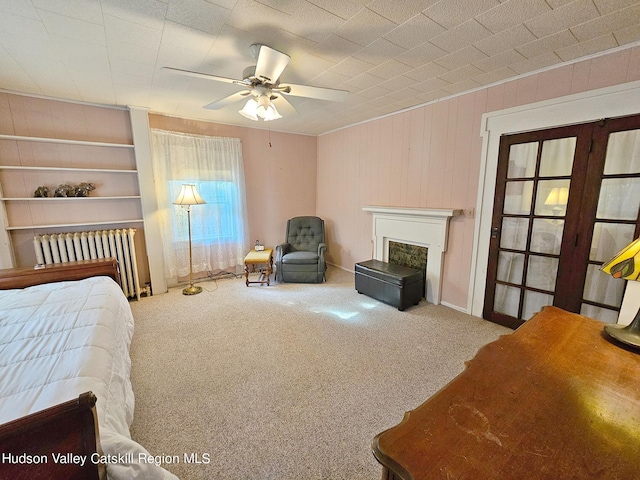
(426, 227)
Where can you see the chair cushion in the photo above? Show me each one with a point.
(300, 258)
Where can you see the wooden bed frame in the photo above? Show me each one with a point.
(23, 277)
(70, 428)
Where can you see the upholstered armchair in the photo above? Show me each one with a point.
(301, 258)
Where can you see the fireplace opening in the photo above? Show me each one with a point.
(408, 255)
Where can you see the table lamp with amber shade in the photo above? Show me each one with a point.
(626, 264)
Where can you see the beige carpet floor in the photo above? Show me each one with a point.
(289, 381)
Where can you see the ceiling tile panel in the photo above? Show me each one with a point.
(335, 48)
(562, 18)
(421, 55)
(150, 13)
(598, 27)
(365, 27)
(454, 12)
(461, 58)
(379, 51)
(399, 11)
(627, 35)
(609, 6)
(20, 8)
(495, 76)
(363, 81)
(505, 40)
(461, 74)
(312, 22)
(547, 44)
(198, 14)
(375, 92)
(342, 8)
(511, 13)
(465, 34)
(427, 71)
(496, 62)
(389, 69)
(399, 82)
(127, 32)
(431, 84)
(87, 10)
(352, 67)
(73, 28)
(433, 95)
(536, 63)
(461, 86)
(329, 79)
(587, 47)
(414, 31)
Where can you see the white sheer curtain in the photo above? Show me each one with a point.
(219, 229)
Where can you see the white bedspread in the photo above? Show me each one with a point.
(59, 340)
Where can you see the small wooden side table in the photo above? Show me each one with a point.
(259, 257)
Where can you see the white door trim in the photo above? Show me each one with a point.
(616, 101)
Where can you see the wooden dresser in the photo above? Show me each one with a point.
(554, 400)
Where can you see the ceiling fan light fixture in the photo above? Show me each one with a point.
(271, 113)
(249, 110)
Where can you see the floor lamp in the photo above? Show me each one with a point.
(189, 196)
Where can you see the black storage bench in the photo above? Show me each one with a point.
(395, 285)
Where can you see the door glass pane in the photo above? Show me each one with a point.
(602, 288)
(522, 160)
(608, 239)
(552, 197)
(533, 303)
(541, 272)
(510, 267)
(517, 198)
(557, 157)
(514, 233)
(619, 199)
(506, 300)
(599, 313)
(546, 236)
(623, 153)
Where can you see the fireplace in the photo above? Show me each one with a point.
(409, 255)
(422, 227)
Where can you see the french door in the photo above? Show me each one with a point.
(567, 199)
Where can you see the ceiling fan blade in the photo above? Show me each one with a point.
(223, 102)
(271, 64)
(284, 106)
(314, 92)
(206, 76)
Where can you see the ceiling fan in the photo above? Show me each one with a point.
(261, 83)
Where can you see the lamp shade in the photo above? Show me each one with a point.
(558, 196)
(188, 196)
(249, 110)
(626, 263)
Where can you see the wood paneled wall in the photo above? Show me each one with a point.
(430, 157)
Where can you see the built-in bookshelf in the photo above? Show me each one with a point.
(27, 163)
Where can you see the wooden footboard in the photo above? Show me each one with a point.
(60, 442)
(26, 276)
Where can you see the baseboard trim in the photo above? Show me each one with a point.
(455, 307)
(341, 267)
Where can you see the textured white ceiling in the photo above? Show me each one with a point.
(389, 55)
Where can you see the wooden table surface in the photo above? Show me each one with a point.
(554, 400)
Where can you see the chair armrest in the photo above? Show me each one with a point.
(281, 250)
(322, 248)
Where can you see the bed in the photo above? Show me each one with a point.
(66, 401)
